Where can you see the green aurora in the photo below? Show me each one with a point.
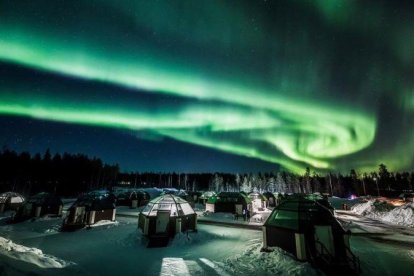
(294, 82)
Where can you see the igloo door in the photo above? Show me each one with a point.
(163, 218)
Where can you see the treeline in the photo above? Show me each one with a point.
(65, 174)
(382, 182)
(70, 174)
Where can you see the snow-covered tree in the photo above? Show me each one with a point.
(245, 186)
(280, 183)
(217, 183)
(271, 184)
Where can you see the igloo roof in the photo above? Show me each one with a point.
(12, 196)
(299, 212)
(176, 205)
(208, 194)
(95, 200)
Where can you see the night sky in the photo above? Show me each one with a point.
(211, 85)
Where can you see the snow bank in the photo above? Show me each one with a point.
(104, 222)
(402, 215)
(30, 255)
(254, 262)
(381, 210)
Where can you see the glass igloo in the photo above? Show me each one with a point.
(167, 215)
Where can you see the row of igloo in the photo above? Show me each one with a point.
(302, 225)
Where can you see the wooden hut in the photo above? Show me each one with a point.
(89, 209)
(167, 215)
(39, 205)
(309, 230)
(229, 202)
(10, 201)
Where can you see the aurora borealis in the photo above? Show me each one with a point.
(326, 84)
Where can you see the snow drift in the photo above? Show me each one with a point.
(381, 210)
(252, 261)
(30, 255)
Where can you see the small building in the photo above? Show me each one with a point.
(10, 201)
(259, 201)
(309, 230)
(39, 205)
(271, 199)
(88, 209)
(133, 198)
(229, 202)
(167, 215)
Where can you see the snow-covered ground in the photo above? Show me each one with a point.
(119, 248)
(30, 255)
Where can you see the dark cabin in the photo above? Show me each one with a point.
(39, 205)
(89, 209)
(307, 229)
(229, 202)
